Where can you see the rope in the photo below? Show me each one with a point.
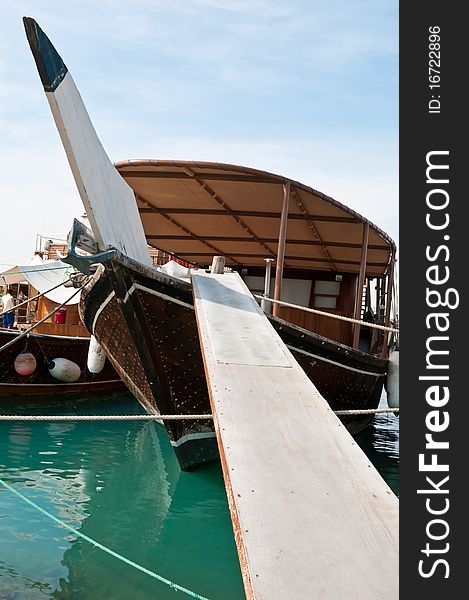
(26, 331)
(326, 314)
(34, 297)
(364, 411)
(168, 582)
(5, 273)
(36, 339)
(104, 417)
(367, 411)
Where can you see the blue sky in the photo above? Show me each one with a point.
(306, 89)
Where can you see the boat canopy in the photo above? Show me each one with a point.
(42, 276)
(196, 210)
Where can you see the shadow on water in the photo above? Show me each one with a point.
(118, 483)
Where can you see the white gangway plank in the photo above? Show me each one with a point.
(312, 518)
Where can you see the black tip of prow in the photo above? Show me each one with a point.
(49, 64)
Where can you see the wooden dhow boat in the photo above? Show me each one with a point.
(327, 257)
(46, 347)
(61, 335)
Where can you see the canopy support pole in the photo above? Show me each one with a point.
(281, 248)
(265, 305)
(378, 298)
(387, 319)
(361, 281)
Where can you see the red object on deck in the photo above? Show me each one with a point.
(60, 316)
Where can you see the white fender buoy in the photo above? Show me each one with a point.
(96, 357)
(393, 380)
(64, 370)
(25, 363)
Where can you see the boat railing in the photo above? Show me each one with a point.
(329, 314)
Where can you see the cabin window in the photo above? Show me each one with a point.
(325, 301)
(326, 293)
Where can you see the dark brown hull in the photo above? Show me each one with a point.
(46, 348)
(145, 321)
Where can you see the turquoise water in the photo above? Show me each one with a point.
(380, 442)
(119, 483)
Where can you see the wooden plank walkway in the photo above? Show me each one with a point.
(312, 518)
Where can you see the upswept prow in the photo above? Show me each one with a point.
(103, 191)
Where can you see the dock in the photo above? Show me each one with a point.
(312, 518)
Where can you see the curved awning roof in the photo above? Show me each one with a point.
(42, 276)
(198, 209)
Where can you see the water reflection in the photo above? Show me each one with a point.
(118, 483)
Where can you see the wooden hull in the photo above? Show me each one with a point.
(145, 320)
(48, 347)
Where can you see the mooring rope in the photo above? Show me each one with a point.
(171, 584)
(364, 411)
(26, 331)
(35, 297)
(330, 315)
(104, 417)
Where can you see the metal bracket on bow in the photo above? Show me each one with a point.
(82, 238)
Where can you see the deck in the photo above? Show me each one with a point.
(312, 518)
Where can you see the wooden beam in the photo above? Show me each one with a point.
(219, 200)
(313, 228)
(218, 265)
(151, 208)
(361, 281)
(226, 238)
(246, 213)
(282, 235)
(299, 258)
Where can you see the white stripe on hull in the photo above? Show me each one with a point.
(100, 310)
(193, 436)
(155, 293)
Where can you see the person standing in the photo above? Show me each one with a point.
(8, 304)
